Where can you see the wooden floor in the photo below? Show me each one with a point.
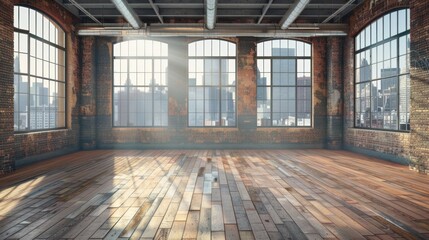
(225, 194)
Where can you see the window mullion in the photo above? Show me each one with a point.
(152, 89)
(28, 84)
(220, 91)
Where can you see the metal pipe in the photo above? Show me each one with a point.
(211, 6)
(222, 30)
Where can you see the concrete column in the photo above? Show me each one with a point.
(334, 128)
(88, 95)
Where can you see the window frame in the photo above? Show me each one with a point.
(152, 86)
(29, 75)
(296, 86)
(397, 76)
(220, 86)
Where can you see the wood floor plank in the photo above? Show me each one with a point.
(214, 194)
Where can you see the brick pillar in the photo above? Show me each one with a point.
(419, 72)
(334, 134)
(88, 95)
(246, 85)
(104, 80)
(6, 88)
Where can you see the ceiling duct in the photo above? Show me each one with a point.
(211, 6)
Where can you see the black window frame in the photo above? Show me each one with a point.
(368, 47)
(29, 75)
(219, 86)
(128, 87)
(296, 86)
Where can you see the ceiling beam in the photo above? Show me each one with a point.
(210, 15)
(336, 13)
(82, 9)
(156, 9)
(264, 11)
(128, 13)
(201, 5)
(292, 13)
(222, 30)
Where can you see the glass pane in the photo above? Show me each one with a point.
(402, 21)
(386, 22)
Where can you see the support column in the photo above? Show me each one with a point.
(334, 133)
(88, 107)
(246, 85)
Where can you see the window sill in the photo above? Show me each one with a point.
(43, 131)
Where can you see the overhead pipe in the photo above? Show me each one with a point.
(211, 6)
(222, 30)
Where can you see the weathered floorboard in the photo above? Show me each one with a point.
(220, 194)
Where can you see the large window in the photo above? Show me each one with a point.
(39, 72)
(211, 96)
(284, 83)
(140, 92)
(382, 89)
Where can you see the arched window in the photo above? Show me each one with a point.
(39, 72)
(382, 76)
(284, 83)
(212, 81)
(140, 92)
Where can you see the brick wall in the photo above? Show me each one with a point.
(390, 145)
(46, 143)
(6, 87)
(177, 134)
(420, 85)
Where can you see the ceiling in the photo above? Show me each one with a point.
(103, 13)
(228, 11)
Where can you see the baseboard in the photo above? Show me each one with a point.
(208, 146)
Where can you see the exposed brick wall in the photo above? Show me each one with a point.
(394, 144)
(420, 84)
(6, 87)
(19, 146)
(370, 10)
(177, 133)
